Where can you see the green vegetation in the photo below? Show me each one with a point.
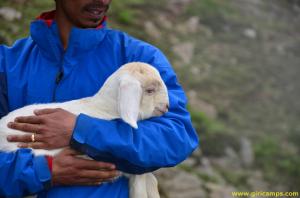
(208, 8)
(274, 159)
(30, 10)
(121, 11)
(205, 124)
(237, 179)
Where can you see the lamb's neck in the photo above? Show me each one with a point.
(95, 106)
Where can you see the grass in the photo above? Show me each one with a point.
(122, 13)
(30, 10)
(204, 124)
(203, 176)
(276, 159)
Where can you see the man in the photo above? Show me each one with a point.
(69, 55)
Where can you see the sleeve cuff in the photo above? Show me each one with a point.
(81, 128)
(43, 173)
(50, 162)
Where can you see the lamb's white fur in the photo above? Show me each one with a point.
(126, 94)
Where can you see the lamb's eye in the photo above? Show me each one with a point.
(150, 90)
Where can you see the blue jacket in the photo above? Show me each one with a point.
(28, 74)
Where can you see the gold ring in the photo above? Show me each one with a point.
(33, 137)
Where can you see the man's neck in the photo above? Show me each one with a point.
(64, 27)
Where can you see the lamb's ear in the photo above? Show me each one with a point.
(130, 94)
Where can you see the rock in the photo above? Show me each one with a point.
(181, 29)
(228, 162)
(205, 31)
(256, 181)
(250, 33)
(192, 24)
(205, 163)
(219, 191)
(178, 6)
(190, 162)
(14, 28)
(174, 40)
(246, 152)
(152, 30)
(197, 153)
(280, 49)
(205, 168)
(185, 51)
(164, 22)
(195, 70)
(230, 153)
(208, 109)
(10, 14)
(176, 183)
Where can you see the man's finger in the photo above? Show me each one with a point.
(29, 119)
(32, 128)
(103, 175)
(44, 111)
(35, 145)
(24, 138)
(87, 182)
(94, 165)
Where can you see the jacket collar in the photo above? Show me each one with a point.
(44, 32)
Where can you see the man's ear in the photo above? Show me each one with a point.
(129, 98)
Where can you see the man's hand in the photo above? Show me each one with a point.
(67, 169)
(52, 129)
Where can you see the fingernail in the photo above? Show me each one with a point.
(9, 138)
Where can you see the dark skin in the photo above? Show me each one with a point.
(79, 13)
(69, 170)
(53, 128)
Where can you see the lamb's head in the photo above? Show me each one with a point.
(142, 93)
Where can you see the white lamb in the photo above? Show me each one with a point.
(134, 92)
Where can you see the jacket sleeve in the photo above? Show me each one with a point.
(158, 142)
(3, 86)
(20, 172)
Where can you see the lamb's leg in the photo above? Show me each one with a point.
(152, 186)
(137, 186)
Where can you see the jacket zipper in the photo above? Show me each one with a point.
(59, 77)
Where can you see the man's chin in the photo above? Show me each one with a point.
(89, 24)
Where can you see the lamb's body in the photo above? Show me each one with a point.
(109, 103)
(74, 106)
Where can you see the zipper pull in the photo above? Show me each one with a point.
(59, 77)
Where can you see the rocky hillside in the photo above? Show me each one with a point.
(239, 63)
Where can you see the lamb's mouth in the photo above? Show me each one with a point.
(158, 111)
